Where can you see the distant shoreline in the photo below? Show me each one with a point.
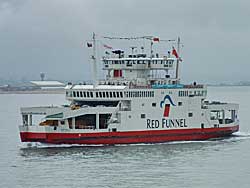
(34, 92)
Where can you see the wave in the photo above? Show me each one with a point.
(44, 145)
(242, 134)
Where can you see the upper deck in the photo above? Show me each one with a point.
(117, 93)
(139, 73)
(139, 63)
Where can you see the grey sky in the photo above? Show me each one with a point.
(46, 35)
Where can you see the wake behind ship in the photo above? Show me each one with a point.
(141, 100)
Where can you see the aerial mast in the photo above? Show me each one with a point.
(94, 61)
(178, 59)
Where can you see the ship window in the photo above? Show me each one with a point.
(96, 94)
(114, 95)
(154, 104)
(110, 94)
(103, 94)
(179, 103)
(190, 114)
(81, 94)
(117, 94)
(121, 94)
(143, 116)
(107, 94)
(100, 94)
(84, 94)
(77, 93)
(74, 94)
(88, 94)
(91, 94)
(202, 125)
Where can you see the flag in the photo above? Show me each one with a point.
(108, 47)
(89, 45)
(174, 52)
(156, 39)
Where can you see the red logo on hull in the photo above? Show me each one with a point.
(167, 106)
(166, 110)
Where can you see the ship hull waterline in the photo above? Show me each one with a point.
(130, 137)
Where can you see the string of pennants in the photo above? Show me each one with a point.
(153, 39)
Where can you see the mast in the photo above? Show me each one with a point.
(94, 62)
(178, 59)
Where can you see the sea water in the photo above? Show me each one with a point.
(217, 163)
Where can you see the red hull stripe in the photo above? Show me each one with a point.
(154, 136)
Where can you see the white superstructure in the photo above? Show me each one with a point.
(139, 101)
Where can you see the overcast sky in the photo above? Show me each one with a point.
(46, 35)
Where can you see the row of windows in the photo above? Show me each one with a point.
(193, 93)
(183, 93)
(200, 93)
(109, 94)
(139, 94)
(130, 62)
(154, 104)
(85, 94)
(90, 94)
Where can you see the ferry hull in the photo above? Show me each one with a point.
(130, 137)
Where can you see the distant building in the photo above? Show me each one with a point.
(48, 84)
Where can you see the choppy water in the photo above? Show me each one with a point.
(218, 163)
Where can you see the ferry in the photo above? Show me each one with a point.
(141, 100)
